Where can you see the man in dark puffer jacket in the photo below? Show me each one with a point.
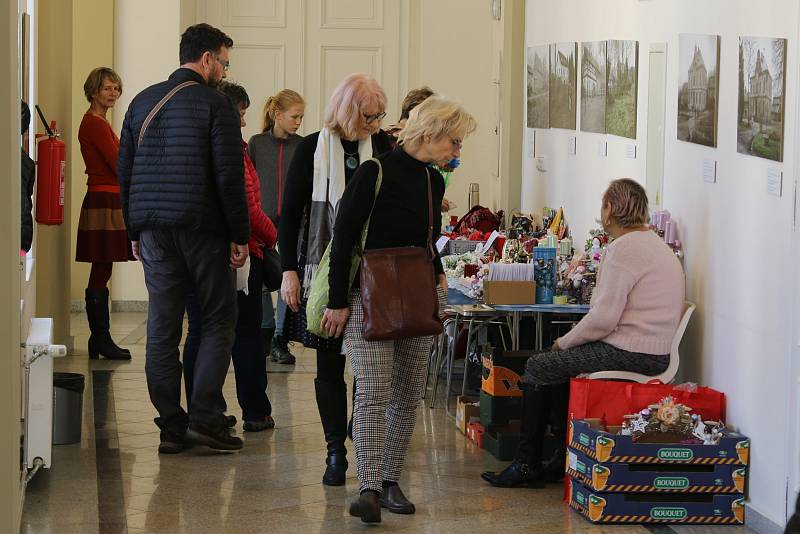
(183, 198)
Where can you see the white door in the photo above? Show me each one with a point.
(309, 46)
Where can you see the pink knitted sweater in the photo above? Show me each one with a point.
(638, 300)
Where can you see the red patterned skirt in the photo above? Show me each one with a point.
(102, 236)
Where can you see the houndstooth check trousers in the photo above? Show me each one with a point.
(390, 377)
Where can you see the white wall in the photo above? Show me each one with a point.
(146, 38)
(735, 235)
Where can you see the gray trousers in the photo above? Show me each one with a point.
(174, 261)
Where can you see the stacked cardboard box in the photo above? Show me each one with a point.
(614, 480)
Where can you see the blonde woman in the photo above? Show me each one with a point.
(102, 238)
(272, 151)
(323, 164)
(390, 374)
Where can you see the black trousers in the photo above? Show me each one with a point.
(174, 261)
(249, 360)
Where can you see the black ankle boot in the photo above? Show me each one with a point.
(555, 467)
(100, 341)
(332, 405)
(515, 475)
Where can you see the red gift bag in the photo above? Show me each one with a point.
(611, 401)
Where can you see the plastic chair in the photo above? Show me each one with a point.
(674, 358)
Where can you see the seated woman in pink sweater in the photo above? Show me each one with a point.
(634, 314)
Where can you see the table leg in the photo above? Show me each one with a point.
(466, 358)
(539, 331)
(450, 361)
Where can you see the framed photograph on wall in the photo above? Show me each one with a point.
(698, 88)
(563, 88)
(539, 86)
(623, 77)
(593, 87)
(762, 85)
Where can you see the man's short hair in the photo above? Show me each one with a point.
(202, 38)
(236, 93)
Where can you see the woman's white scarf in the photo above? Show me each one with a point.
(328, 188)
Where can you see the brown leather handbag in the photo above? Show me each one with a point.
(398, 289)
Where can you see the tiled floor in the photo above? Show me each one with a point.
(115, 482)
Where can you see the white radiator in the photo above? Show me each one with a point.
(38, 354)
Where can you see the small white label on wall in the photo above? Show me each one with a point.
(774, 182)
(602, 149)
(710, 171)
(572, 145)
(630, 151)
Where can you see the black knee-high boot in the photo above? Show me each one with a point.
(100, 342)
(526, 469)
(555, 466)
(332, 404)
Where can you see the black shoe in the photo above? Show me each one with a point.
(336, 470)
(280, 351)
(515, 475)
(395, 501)
(258, 426)
(367, 507)
(230, 421)
(554, 469)
(100, 341)
(171, 442)
(219, 440)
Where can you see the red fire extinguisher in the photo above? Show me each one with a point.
(52, 164)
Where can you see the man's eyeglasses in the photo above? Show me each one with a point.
(372, 118)
(224, 62)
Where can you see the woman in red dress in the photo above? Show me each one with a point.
(102, 238)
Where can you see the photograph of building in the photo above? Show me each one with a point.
(593, 87)
(563, 90)
(623, 72)
(762, 63)
(697, 88)
(538, 86)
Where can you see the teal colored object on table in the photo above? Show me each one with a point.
(546, 276)
(320, 289)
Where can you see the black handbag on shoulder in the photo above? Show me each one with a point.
(272, 273)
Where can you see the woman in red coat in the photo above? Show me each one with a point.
(102, 238)
(249, 363)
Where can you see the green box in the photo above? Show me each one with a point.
(499, 410)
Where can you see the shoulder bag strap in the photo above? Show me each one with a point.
(158, 107)
(430, 214)
(378, 183)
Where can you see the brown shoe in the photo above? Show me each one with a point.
(395, 501)
(367, 507)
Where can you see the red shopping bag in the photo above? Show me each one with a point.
(611, 401)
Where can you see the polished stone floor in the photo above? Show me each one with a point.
(115, 482)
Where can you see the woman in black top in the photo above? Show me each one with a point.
(321, 167)
(390, 374)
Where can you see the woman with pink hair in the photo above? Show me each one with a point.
(322, 166)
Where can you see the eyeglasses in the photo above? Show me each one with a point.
(372, 118)
(458, 143)
(224, 62)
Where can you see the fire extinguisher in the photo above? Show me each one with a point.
(52, 164)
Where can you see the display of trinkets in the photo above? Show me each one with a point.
(671, 422)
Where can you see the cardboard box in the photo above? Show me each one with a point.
(475, 432)
(608, 448)
(509, 292)
(654, 477)
(680, 508)
(467, 411)
(499, 410)
(502, 372)
(502, 441)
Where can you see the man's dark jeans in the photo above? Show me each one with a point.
(175, 261)
(249, 360)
